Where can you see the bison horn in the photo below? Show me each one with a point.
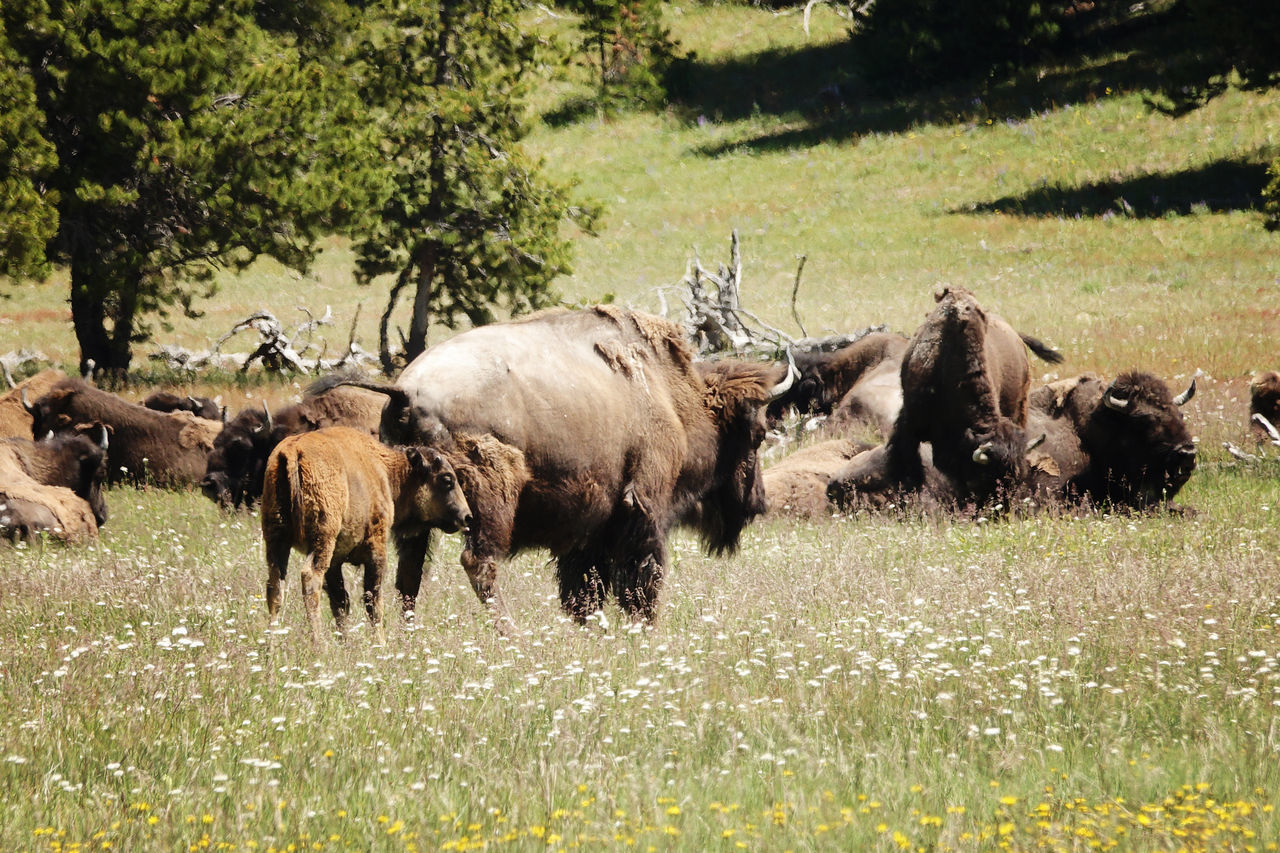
(268, 426)
(89, 366)
(1185, 396)
(785, 385)
(26, 404)
(1268, 426)
(1118, 404)
(1036, 442)
(106, 437)
(982, 453)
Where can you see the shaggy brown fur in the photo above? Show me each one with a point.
(827, 377)
(796, 486)
(1124, 444)
(74, 462)
(336, 495)
(201, 407)
(621, 435)
(15, 420)
(167, 450)
(965, 379)
(234, 468)
(32, 507)
(1264, 400)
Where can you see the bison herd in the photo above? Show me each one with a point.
(592, 433)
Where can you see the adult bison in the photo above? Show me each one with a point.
(623, 436)
(337, 495)
(15, 415)
(1264, 407)
(74, 462)
(964, 379)
(824, 378)
(167, 450)
(235, 466)
(1123, 443)
(201, 407)
(796, 485)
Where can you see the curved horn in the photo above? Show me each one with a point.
(106, 437)
(1036, 442)
(89, 366)
(266, 411)
(981, 453)
(784, 386)
(1185, 396)
(1267, 425)
(194, 402)
(1118, 404)
(26, 404)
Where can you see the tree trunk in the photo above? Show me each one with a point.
(421, 317)
(102, 315)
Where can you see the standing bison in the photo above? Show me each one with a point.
(623, 437)
(235, 466)
(1123, 443)
(965, 379)
(337, 495)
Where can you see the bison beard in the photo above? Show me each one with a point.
(619, 435)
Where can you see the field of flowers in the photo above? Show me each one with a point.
(1046, 682)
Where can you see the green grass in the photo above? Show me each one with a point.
(864, 683)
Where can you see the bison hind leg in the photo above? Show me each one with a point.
(335, 585)
(581, 587)
(277, 567)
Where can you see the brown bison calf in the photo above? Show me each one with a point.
(336, 495)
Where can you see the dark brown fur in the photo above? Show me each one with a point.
(336, 495)
(167, 450)
(1136, 453)
(965, 379)
(75, 462)
(168, 401)
(1264, 400)
(234, 468)
(31, 507)
(621, 435)
(826, 377)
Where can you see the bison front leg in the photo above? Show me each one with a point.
(482, 571)
(411, 558)
(581, 588)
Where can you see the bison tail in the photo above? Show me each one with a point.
(1041, 349)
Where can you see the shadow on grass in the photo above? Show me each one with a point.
(1218, 187)
(817, 92)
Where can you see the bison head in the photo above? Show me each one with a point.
(1264, 402)
(736, 393)
(993, 463)
(91, 470)
(433, 490)
(1140, 449)
(236, 466)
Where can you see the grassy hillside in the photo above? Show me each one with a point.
(1060, 682)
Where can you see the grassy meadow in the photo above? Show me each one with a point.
(1057, 681)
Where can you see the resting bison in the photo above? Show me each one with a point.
(234, 468)
(1123, 444)
(623, 438)
(74, 462)
(796, 486)
(1264, 407)
(965, 379)
(826, 377)
(337, 495)
(168, 450)
(28, 510)
(201, 407)
(15, 419)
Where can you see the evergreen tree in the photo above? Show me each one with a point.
(178, 131)
(459, 213)
(627, 46)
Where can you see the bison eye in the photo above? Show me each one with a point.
(446, 481)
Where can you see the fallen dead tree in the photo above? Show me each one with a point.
(278, 350)
(717, 323)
